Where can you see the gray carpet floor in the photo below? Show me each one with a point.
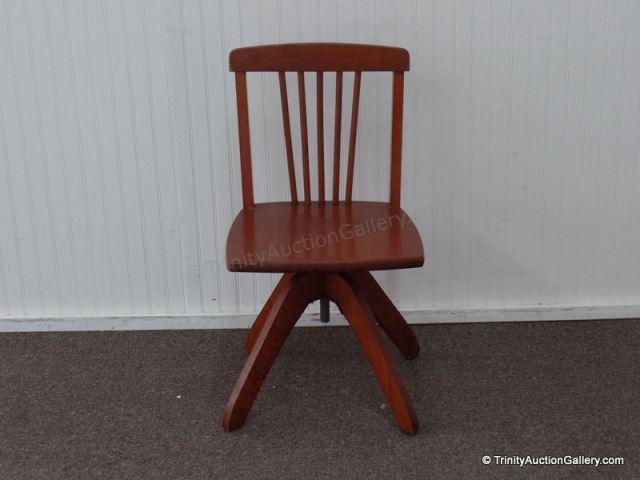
(129, 405)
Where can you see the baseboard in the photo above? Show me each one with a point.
(217, 321)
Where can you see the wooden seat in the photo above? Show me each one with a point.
(317, 237)
(324, 248)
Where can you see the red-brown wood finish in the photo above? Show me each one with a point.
(319, 57)
(287, 137)
(386, 313)
(304, 140)
(352, 137)
(282, 285)
(268, 335)
(244, 137)
(356, 308)
(396, 139)
(320, 133)
(325, 250)
(284, 237)
(287, 308)
(337, 136)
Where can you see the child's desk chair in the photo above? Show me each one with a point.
(315, 244)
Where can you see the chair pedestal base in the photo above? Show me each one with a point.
(364, 304)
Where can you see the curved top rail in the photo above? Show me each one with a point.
(318, 57)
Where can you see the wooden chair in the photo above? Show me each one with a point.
(325, 248)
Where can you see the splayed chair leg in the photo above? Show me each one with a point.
(281, 286)
(362, 301)
(345, 292)
(386, 314)
(287, 306)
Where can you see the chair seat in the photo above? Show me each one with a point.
(322, 237)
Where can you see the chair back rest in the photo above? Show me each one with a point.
(319, 58)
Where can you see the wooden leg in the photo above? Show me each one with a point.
(281, 286)
(345, 292)
(286, 308)
(387, 315)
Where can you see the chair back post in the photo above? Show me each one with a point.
(244, 138)
(396, 139)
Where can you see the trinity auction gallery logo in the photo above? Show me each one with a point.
(522, 461)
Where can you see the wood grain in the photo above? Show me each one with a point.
(270, 330)
(287, 307)
(352, 137)
(337, 133)
(318, 57)
(386, 313)
(355, 307)
(320, 133)
(286, 122)
(282, 285)
(282, 237)
(324, 250)
(396, 139)
(244, 138)
(304, 140)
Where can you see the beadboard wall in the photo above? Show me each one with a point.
(119, 169)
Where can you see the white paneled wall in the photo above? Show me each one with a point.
(119, 169)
